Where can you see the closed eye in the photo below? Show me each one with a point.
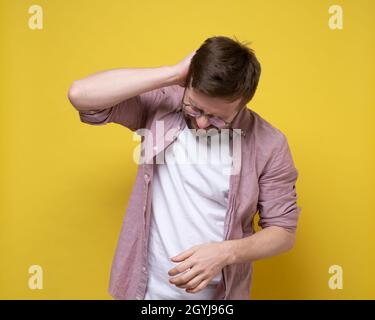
(199, 110)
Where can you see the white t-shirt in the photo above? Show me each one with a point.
(189, 204)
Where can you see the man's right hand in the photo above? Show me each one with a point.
(182, 69)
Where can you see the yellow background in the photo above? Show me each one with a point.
(65, 184)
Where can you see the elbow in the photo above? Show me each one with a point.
(289, 246)
(290, 241)
(75, 94)
(286, 237)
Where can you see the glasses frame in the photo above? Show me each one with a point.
(201, 113)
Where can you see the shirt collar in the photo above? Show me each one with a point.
(243, 121)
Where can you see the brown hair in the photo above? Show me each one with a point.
(224, 68)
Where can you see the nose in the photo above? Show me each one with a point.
(202, 122)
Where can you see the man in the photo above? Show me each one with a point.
(188, 231)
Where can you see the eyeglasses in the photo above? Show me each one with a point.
(196, 113)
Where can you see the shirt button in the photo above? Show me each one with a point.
(138, 297)
(144, 269)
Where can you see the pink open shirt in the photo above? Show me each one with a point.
(265, 183)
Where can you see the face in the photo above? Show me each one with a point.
(210, 106)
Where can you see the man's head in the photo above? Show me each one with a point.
(222, 78)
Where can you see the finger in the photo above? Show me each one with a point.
(194, 282)
(184, 255)
(183, 266)
(200, 287)
(185, 277)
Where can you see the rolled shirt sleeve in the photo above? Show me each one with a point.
(277, 201)
(131, 113)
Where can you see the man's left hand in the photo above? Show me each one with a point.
(201, 263)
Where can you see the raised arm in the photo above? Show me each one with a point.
(107, 88)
